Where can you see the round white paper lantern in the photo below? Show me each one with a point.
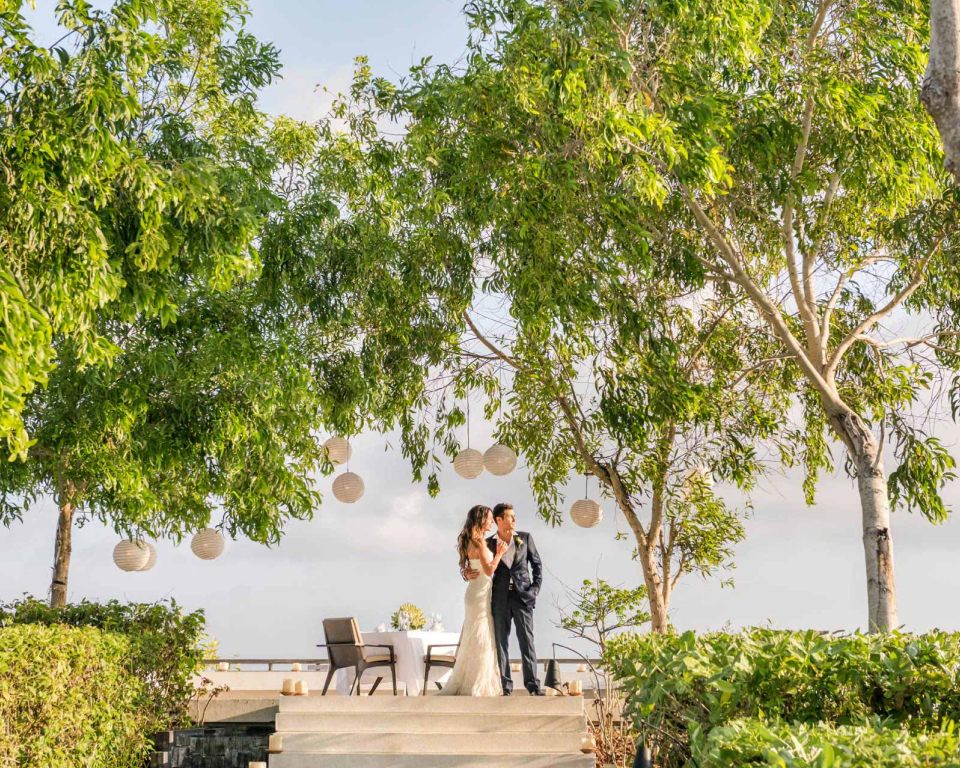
(586, 513)
(207, 544)
(348, 487)
(152, 560)
(131, 555)
(499, 460)
(339, 450)
(699, 477)
(468, 463)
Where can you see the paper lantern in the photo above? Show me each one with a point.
(131, 555)
(697, 477)
(339, 450)
(468, 463)
(348, 487)
(207, 544)
(152, 560)
(499, 460)
(586, 513)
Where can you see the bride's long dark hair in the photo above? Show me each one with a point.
(475, 523)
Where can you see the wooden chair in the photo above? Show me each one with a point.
(345, 648)
(438, 661)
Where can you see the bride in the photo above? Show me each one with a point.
(475, 672)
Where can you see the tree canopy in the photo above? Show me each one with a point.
(112, 185)
(179, 371)
(592, 166)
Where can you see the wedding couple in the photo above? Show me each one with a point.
(504, 574)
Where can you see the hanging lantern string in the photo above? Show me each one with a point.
(500, 388)
(468, 418)
(586, 485)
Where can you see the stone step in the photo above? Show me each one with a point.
(486, 760)
(449, 743)
(416, 722)
(494, 705)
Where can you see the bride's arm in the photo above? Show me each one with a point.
(488, 561)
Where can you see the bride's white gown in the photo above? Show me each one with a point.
(476, 672)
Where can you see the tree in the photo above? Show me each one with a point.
(941, 84)
(782, 151)
(181, 371)
(596, 613)
(110, 192)
(464, 276)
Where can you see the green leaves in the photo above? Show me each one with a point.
(761, 694)
(745, 742)
(162, 358)
(116, 156)
(70, 698)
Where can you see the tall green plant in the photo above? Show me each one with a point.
(165, 648)
(184, 373)
(518, 286)
(681, 687)
(768, 155)
(68, 698)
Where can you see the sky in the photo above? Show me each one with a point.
(799, 567)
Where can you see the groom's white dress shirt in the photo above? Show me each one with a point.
(510, 554)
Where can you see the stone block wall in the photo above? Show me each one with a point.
(225, 745)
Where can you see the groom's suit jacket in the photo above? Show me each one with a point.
(526, 573)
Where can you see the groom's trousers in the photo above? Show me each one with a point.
(515, 610)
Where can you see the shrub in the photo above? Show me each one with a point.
(751, 742)
(674, 682)
(69, 698)
(166, 646)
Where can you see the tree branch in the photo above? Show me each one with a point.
(919, 277)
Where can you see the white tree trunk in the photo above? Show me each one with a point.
(941, 85)
(875, 517)
(656, 599)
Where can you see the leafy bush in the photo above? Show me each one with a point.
(69, 698)
(675, 682)
(166, 646)
(408, 616)
(751, 742)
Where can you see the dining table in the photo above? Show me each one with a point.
(410, 647)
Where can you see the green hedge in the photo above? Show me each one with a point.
(166, 646)
(69, 698)
(675, 682)
(751, 742)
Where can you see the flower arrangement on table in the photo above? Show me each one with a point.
(408, 617)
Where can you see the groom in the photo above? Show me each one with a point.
(515, 597)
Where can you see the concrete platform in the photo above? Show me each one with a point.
(488, 760)
(415, 722)
(427, 743)
(431, 732)
(498, 705)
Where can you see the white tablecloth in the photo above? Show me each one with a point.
(410, 648)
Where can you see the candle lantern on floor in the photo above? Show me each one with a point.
(275, 746)
(644, 758)
(552, 678)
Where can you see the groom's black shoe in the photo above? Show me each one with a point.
(537, 692)
(508, 693)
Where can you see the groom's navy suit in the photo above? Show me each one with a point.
(515, 591)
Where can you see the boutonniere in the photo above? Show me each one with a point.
(517, 540)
